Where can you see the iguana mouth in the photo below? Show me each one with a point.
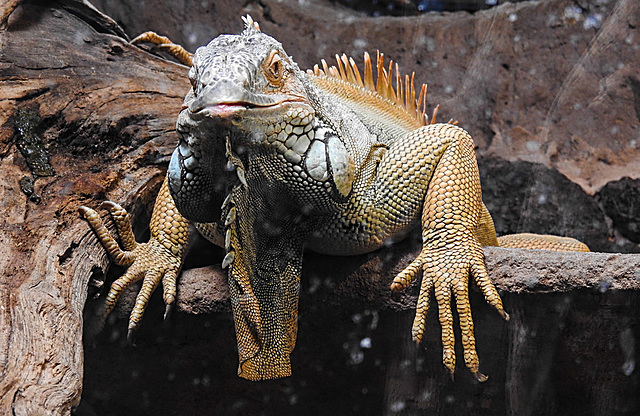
(226, 98)
(229, 109)
(218, 110)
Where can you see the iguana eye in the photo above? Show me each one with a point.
(273, 68)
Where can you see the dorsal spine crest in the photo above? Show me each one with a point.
(403, 95)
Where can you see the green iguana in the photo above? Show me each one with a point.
(272, 160)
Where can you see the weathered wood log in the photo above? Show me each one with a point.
(78, 100)
(101, 113)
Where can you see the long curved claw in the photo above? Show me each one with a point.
(481, 278)
(131, 336)
(169, 294)
(168, 309)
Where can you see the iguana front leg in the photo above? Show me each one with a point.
(430, 176)
(158, 260)
(451, 250)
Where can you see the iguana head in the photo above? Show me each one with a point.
(243, 76)
(243, 87)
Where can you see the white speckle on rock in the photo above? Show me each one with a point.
(431, 44)
(360, 43)
(365, 343)
(593, 21)
(533, 146)
(397, 406)
(573, 13)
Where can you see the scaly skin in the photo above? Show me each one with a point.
(272, 160)
(541, 242)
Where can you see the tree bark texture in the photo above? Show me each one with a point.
(84, 117)
(93, 116)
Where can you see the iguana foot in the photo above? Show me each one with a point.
(150, 262)
(163, 42)
(445, 271)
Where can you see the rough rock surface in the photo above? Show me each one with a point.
(620, 201)
(542, 199)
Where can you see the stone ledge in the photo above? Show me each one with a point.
(204, 290)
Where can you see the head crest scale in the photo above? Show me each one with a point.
(250, 27)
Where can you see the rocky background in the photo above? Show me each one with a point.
(551, 94)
